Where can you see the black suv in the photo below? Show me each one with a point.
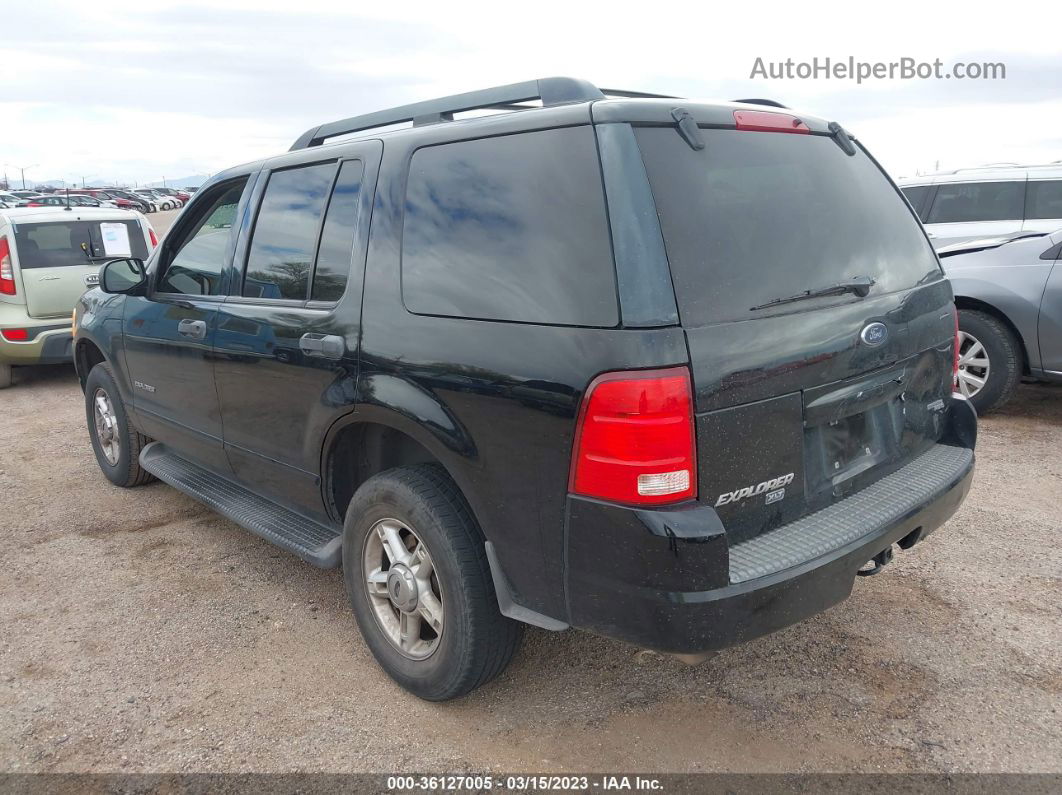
(667, 371)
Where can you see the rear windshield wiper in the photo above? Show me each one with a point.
(860, 285)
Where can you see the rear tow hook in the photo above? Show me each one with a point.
(877, 563)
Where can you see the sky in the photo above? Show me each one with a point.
(137, 91)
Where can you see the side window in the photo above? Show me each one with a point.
(199, 252)
(978, 201)
(1045, 199)
(510, 228)
(337, 236)
(917, 197)
(285, 235)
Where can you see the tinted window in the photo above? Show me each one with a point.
(917, 197)
(757, 215)
(50, 245)
(337, 236)
(202, 245)
(1045, 200)
(978, 201)
(509, 228)
(285, 234)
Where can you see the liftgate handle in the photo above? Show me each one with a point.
(327, 346)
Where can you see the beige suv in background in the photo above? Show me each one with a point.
(48, 258)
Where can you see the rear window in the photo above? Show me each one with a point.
(51, 245)
(960, 202)
(510, 228)
(756, 216)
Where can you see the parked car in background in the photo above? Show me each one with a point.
(659, 369)
(161, 200)
(48, 258)
(988, 201)
(148, 204)
(26, 194)
(118, 201)
(65, 200)
(1009, 293)
(181, 196)
(9, 199)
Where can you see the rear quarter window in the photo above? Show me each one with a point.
(1045, 199)
(511, 228)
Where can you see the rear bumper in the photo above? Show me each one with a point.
(738, 594)
(49, 344)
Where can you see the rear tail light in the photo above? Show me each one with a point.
(634, 442)
(7, 273)
(768, 121)
(15, 334)
(154, 239)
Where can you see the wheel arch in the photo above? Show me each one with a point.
(976, 304)
(87, 354)
(377, 438)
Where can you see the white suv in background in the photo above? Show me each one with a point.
(988, 201)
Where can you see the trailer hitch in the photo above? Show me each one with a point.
(877, 563)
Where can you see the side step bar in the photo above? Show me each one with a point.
(313, 542)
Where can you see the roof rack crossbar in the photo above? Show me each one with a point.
(550, 90)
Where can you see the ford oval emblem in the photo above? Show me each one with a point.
(874, 333)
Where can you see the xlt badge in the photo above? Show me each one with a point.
(772, 485)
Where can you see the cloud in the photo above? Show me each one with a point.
(187, 87)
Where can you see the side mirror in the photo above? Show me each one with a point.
(123, 276)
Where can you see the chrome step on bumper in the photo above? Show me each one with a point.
(864, 513)
(313, 542)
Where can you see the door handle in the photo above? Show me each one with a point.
(193, 329)
(324, 346)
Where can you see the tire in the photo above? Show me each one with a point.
(476, 641)
(119, 462)
(1001, 373)
(5, 376)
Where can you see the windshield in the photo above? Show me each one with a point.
(756, 216)
(50, 245)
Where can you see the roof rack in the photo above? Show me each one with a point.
(769, 102)
(551, 90)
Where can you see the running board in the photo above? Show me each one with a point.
(313, 542)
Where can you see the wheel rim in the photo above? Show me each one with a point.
(403, 588)
(106, 421)
(974, 366)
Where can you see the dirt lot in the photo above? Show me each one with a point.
(143, 632)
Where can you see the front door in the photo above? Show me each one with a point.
(287, 337)
(169, 333)
(1050, 326)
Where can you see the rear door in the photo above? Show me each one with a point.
(287, 338)
(59, 260)
(966, 210)
(800, 402)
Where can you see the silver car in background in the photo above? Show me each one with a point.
(1008, 289)
(988, 201)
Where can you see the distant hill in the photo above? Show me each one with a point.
(193, 181)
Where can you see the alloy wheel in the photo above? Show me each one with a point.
(403, 588)
(974, 366)
(106, 422)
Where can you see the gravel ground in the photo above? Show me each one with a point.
(141, 632)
